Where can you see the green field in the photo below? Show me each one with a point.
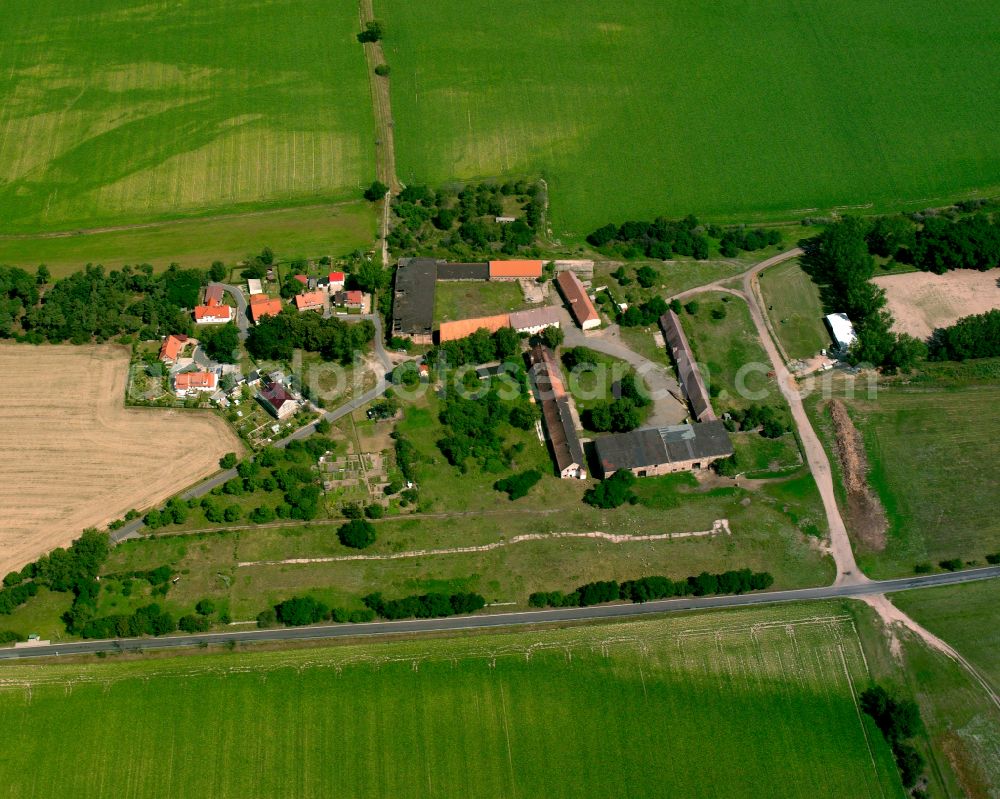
(699, 705)
(965, 616)
(468, 299)
(115, 111)
(795, 311)
(934, 455)
(305, 232)
(731, 109)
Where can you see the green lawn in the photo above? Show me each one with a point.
(733, 109)
(762, 457)
(965, 616)
(593, 384)
(306, 232)
(614, 710)
(468, 299)
(730, 353)
(935, 464)
(114, 111)
(794, 308)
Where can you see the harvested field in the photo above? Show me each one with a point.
(866, 516)
(73, 456)
(922, 301)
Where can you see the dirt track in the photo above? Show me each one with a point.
(73, 456)
(921, 301)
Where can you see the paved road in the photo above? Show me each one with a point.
(242, 316)
(561, 615)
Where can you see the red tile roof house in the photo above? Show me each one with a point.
(350, 299)
(311, 301)
(261, 305)
(213, 312)
(336, 282)
(579, 303)
(172, 347)
(188, 384)
(278, 401)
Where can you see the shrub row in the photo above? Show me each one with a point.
(645, 589)
(424, 606)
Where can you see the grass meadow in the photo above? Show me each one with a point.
(730, 110)
(795, 310)
(465, 300)
(115, 111)
(696, 705)
(933, 456)
(306, 232)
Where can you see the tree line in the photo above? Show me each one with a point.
(424, 606)
(663, 238)
(647, 589)
(938, 241)
(898, 720)
(975, 336)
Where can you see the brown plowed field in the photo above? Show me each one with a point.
(921, 301)
(72, 456)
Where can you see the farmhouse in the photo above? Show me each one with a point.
(349, 299)
(334, 281)
(534, 320)
(450, 331)
(172, 347)
(841, 330)
(557, 413)
(515, 270)
(413, 299)
(190, 383)
(213, 314)
(662, 450)
(687, 373)
(278, 401)
(580, 306)
(261, 305)
(311, 300)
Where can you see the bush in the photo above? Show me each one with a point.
(383, 70)
(262, 514)
(300, 610)
(205, 607)
(518, 485)
(993, 558)
(372, 33)
(374, 511)
(952, 564)
(923, 568)
(267, 618)
(612, 491)
(357, 534)
(376, 191)
(227, 461)
(194, 624)
(692, 307)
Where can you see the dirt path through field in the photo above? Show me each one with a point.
(868, 519)
(892, 616)
(72, 456)
(719, 527)
(385, 147)
(922, 301)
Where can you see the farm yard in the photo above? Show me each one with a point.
(459, 717)
(468, 299)
(920, 302)
(73, 456)
(933, 463)
(772, 111)
(292, 233)
(117, 112)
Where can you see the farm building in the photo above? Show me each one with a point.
(580, 306)
(190, 383)
(451, 331)
(515, 270)
(841, 330)
(254, 286)
(172, 347)
(261, 305)
(455, 272)
(278, 400)
(311, 300)
(213, 314)
(557, 413)
(413, 300)
(534, 320)
(662, 450)
(687, 373)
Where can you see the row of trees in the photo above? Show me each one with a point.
(298, 611)
(970, 337)
(275, 337)
(898, 720)
(147, 620)
(659, 239)
(838, 260)
(646, 589)
(425, 606)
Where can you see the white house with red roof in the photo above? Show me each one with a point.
(214, 311)
(172, 347)
(188, 384)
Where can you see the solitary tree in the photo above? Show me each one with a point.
(356, 534)
(376, 191)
